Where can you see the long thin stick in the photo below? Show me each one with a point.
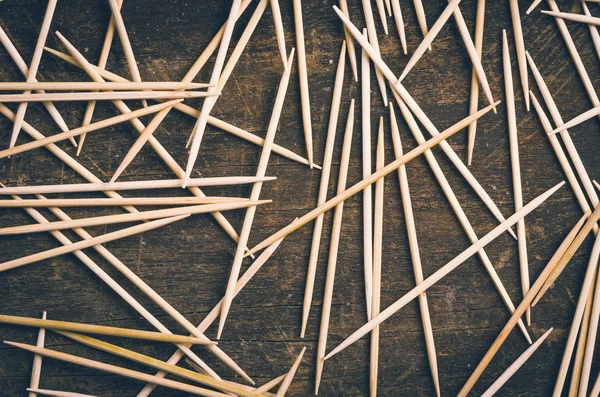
(86, 86)
(37, 361)
(574, 17)
(525, 303)
(415, 254)
(520, 44)
(377, 256)
(381, 10)
(287, 381)
(334, 244)
(421, 17)
(583, 117)
(399, 24)
(280, 34)
(325, 173)
(533, 5)
(596, 389)
(443, 271)
(87, 243)
(303, 76)
(391, 167)
(111, 202)
(254, 194)
(33, 68)
(474, 98)
(514, 367)
(414, 107)
(98, 329)
(113, 369)
(516, 169)
(89, 128)
(591, 341)
(370, 21)
(458, 210)
(100, 96)
(593, 29)
(367, 196)
(350, 42)
(56, 393)
(18, 59)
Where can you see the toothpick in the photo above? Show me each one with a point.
(474, 98)
(458, 210)
(89, 128)
(254, 195)
(443, 271)
(391, 167)
(14, 54)
(349, 42)
(333, 248)
(581, 118)
(367, 196)
(87, 243)
(415, 254)
(525, 303)
(593, 29)
(596, 389)
(574, 17)
(421, 17)
(287, 381)
(516, 169)
(533, 5)
(592, 331)
(520, 44)
(129, 217)
(97, 329)
(514, 367)
(279, 33)
(85, 86)
(370, 21)
(37, 361)
(112, 202)
(33, 68)
(377, 254)
(125, 43)
(426, 42)
(381, 10)
(56, 393)
(322, 197)
(113, 369)
(100, 96)
(399, 24)
(303, 76)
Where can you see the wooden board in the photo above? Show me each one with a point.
(188, 263)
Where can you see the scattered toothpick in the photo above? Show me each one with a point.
(37, 361)
(474, 97)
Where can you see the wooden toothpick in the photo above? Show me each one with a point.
(56, 393)
(287, 381)
(112, 202)
(100, 96)
(421, 17)
(280, 34)
(37, 361)
(87, 86)
(399, 24)
(370, 21)
(474, 98)
(520, 44)
(574, 17)
(350, 42)
(593, 29)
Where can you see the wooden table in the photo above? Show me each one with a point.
(188, 263)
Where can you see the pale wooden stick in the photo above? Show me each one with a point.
(155, 363)
(388, 6)
(406, 97)
(574, 17)
(125, 43)
(254, 194)
(14, 54)
(198, 131)
(196, 113)
(122, 218)
(569, 145)
(37, 361)
(421, 17)
(517, 314)
(323, 186)
(426, 42)
(86, 260)
(516, 169)
(111, 202)
(89, 128)
(581, 118)
(581, 343)
(474, 98)
(303, 76)
(533, 5)
(98, 329)
(514, 367)
(458, 210)
(85, 86)
(564, 161)
(33, 68)
(113, 369)
(592, 331)
(100, 96)
(280, 33)
(415, 254)
(377, 255)
(520, 44)
(596, 389)
(287, 381)
(443, 271)
(349, 42)
(391, 167)
(593, 29)
(133, 185)
(270, 384)
(399, 24)
(139, 143)
(56, 393)
(367, 196)
(381, 10)
(214, 313)
(333, 249)
(587, 82)
(370, 21)
(87, 243)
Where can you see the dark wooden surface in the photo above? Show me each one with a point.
(188, 263)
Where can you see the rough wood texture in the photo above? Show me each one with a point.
(188, 263)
